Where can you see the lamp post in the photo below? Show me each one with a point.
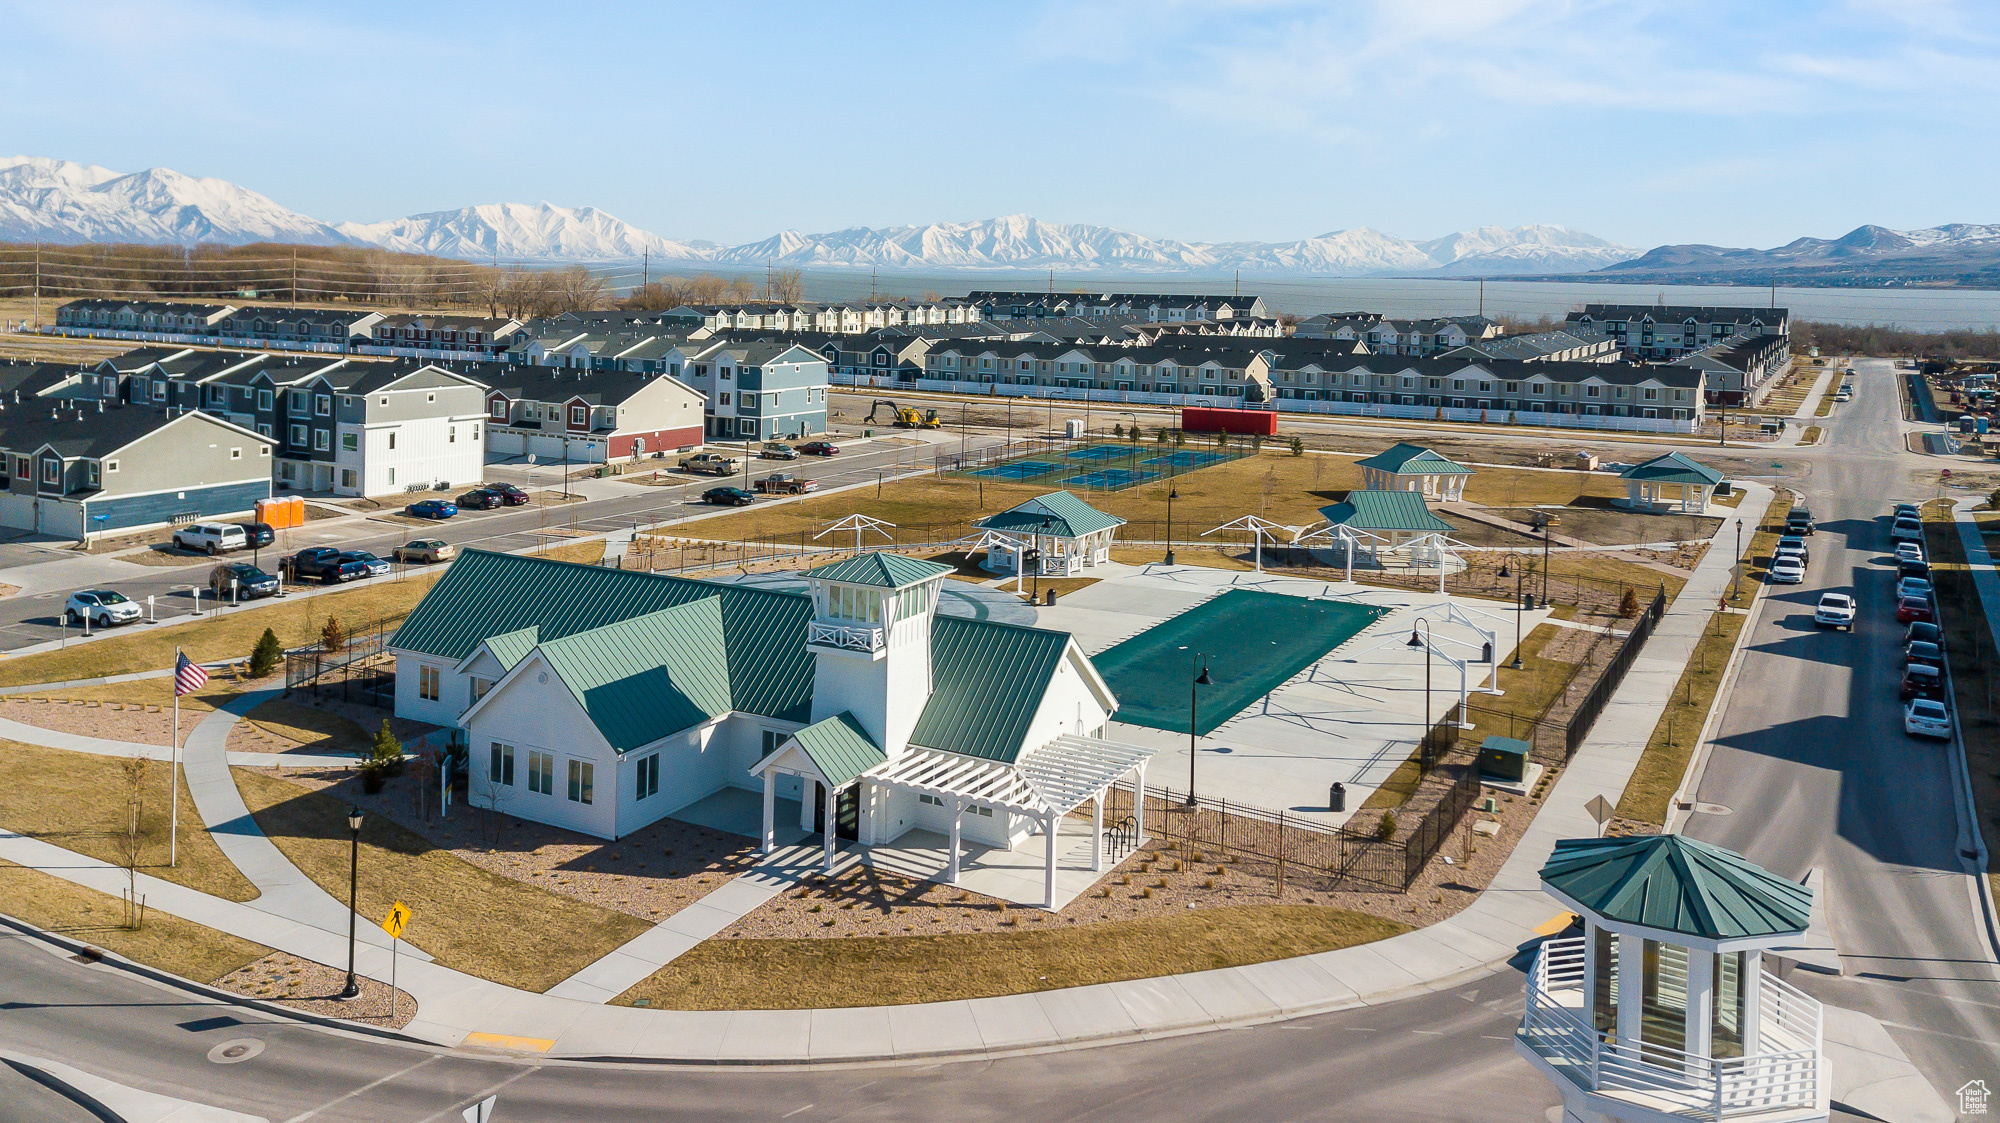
(1518, 609)
(1736, 571)
(1201, 679)
(1423, 640)
(352, 989)
(1173, 493)
(1542, 524)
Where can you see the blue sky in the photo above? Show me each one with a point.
(1737, 123)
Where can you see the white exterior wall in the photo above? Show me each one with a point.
(427, 450)
(694, 764)
(543, 716)
(452, 700)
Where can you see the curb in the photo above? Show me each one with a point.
(26, 1066)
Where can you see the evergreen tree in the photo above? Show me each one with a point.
(264, 657)
(333, 637)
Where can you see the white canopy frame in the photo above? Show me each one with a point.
(1449, 612)
(1258, 528)
(1327, 535)
(1046, 784)
(859, 524)
(1435, 645)
(1440, 544)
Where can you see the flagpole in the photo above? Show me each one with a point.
(174, 820)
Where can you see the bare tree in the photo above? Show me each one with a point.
(130, 841)
(788, 286)
(575, 289)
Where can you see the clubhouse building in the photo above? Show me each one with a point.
(601, 700)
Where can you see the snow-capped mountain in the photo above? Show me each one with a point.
(62, 201)
(520, 230)
(1958, 253)
(1494, 250)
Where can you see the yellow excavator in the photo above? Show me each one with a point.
(903, 418)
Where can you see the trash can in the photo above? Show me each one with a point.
(1336, 797)
(1528, 602)
(1049, 596)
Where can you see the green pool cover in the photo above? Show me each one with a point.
(1254, 642)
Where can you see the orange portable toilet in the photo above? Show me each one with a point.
(298, 510)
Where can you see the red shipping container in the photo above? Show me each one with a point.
(1254, 422)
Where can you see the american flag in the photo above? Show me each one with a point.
(188, 675)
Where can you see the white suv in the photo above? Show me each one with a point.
(102, 607)
(211, 538)
(1924, 717)
(1836, 610)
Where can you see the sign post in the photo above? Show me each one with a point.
(1600, 809)
(399, 916)
(482, 1111)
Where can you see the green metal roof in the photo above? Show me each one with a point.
(487, 594)
(644, 678)
(1067, 516)
(1385, 510)
(1675, 884)
(511, 647)
(876, 567)
(1414, 460)
(987, 681)
(1673, 468)
(839, 748)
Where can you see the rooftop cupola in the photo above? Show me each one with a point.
(871, 637)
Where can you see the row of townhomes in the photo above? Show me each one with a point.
(1559, 346)
(1741, 350)
(340, 331)
(1152, 307)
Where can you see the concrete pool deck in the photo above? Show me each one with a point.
(1352, 716)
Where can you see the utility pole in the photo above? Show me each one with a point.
(645, 268)
(1239, 284)
(295, 273)
(1482, 298)
(871, 282)
(38, 283)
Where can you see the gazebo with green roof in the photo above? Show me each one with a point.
(1647, 484)
(1053, 535)
(1408, 467)
(1662, 1006)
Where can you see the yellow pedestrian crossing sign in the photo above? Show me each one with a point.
(397, 918)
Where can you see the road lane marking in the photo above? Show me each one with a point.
(363, 1090)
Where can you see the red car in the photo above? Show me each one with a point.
(818, 448)
(1911, 609)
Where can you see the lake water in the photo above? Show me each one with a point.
(1915, 309)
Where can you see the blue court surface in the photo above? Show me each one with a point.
(1016, 470)
(1105, 452)
(1110, 478)
(1186, 458)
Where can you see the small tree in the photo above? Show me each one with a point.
(1160, 436)
(264, 657)
(385, 759)
(1118, 430)
(1628, 605)
(1386, 829)
(130, 840)
(1298, 446)
(1180, 437)
(332, 636)
(1221, 441)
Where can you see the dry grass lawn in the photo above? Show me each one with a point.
(588, 552)
(470, 919)
(798, 974)
(297, 620)
(169, 943)
(1665, 760)
(78, 801)
(313, 729)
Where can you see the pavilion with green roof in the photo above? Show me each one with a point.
(1408, 467)
(1053, 535)
(1693, 484)
(1396, 522)
(1663, 1007)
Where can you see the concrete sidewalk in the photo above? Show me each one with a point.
(455, 1008)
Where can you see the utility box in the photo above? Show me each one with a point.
(1586, 462)
(1504, 759)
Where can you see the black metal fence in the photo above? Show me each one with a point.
(1594, 702)
(361, 670)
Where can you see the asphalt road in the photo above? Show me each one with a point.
(1811, 759)
(1442, 1057)
(35, 616)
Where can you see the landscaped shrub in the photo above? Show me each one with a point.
(264, 657)
(1386, 829)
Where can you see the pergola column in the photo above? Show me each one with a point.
(1097, 833)
(826, 836)
(1700, 1002)
(1631, 988)
(1751, 980)
(1138, 803)
(769, 838)
(951, 863)
(1049, 862)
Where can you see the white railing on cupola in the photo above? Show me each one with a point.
(848, 637)
(1780, 1073)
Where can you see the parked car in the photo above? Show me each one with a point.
(728, 497)
(1909, 551)
(104, 608)
(1927, 717)
(1788, 570)
(1908, 568)
(325, 565)
(1908, 511)
(819, 448)
(784, 483)
(509, 494)
(778, 450)
(1792, 544)
(1913, 587)
(481, 499)
(1922, 632)
(708, 464)
(1927, 654)
(1912, 609)
(1920, 681)
(211, 538)
(430, 509)
(1835, 610)
(258, 534)
(250, 582)
(425, 550)
(376, 566)
(1799, 521)
(1906, 530)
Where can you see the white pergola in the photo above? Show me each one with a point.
(1045, 784)
(1436, 546)
(1346, 536)
(990, 540)
(859, 524)
(1258, 528)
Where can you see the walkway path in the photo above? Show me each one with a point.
(454, 1007)
(1807, 408)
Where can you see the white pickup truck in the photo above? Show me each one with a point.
(1835, 610)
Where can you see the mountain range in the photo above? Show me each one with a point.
(65, 202)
